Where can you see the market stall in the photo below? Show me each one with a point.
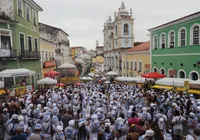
(18, 81)
(68, 73)
(178, 84)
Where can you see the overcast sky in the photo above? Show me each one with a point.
(83, 19)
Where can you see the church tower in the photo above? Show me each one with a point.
(123, 28)
(108, 34)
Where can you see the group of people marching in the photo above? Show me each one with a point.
(94, 111)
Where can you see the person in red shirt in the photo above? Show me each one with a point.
(133, 119)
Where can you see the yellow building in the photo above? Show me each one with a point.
(47, 49)
(97, 64)
(136, 60)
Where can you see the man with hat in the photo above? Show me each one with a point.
(70, 130)
(59, 135)
(149, 135)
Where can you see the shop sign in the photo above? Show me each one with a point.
(69, 80)
(50, 63)
(5, 53)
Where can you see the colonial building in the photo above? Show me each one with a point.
(59, 37)
(175, 47)
(47, 49)
(118, 35)
(19, 37)
(136, 60)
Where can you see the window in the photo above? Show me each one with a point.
(20, 8)
(127, 64)
(126, 29)
(29, 43)
(194, 76)
(195, 38)
(28, 13)
(135, 65)
(140, 66)
(124, 64)
(46, 56)
(162, 71)
(163, 41)
(182, 74)
(22, 43)
(36, 44)
(182, 37)
(155, 41)
(171, 39)
(34, 17)
(116, 30)
(131, 66)
(5, 42)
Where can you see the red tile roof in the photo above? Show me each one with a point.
(142, 47)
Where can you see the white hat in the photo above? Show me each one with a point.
(71, 122)
(161, 120)
(5, 109)
(24, 111)
(94, 116)
(189, 137)
(20, 118)
(149, 133)
(59, 128)
(192, 114)
(144, 109)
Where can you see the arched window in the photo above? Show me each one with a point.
(155, 42)
(135, 65)
(43, 57)
(194, 76)
(182, 74)
(155, 70)
(171, 39)
(182, 37)
(124, 64)
(195, 34)
(116, 30)
(126, 29)
(162, 71)
(163, 41)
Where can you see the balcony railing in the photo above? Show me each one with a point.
(26, 54)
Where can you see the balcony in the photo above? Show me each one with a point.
(26, 54)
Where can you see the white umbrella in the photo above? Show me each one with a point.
(107, 82)
(67, 66)
(47, 81)
(103, 79)
(112, 73)
(97, 76)
(1, 84)
(86, 78)
(91, 74)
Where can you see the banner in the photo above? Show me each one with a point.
(20, 90)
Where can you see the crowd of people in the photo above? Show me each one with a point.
(94, 111)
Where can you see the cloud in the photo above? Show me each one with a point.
(83, 19)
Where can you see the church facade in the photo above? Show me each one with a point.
(118, 37)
